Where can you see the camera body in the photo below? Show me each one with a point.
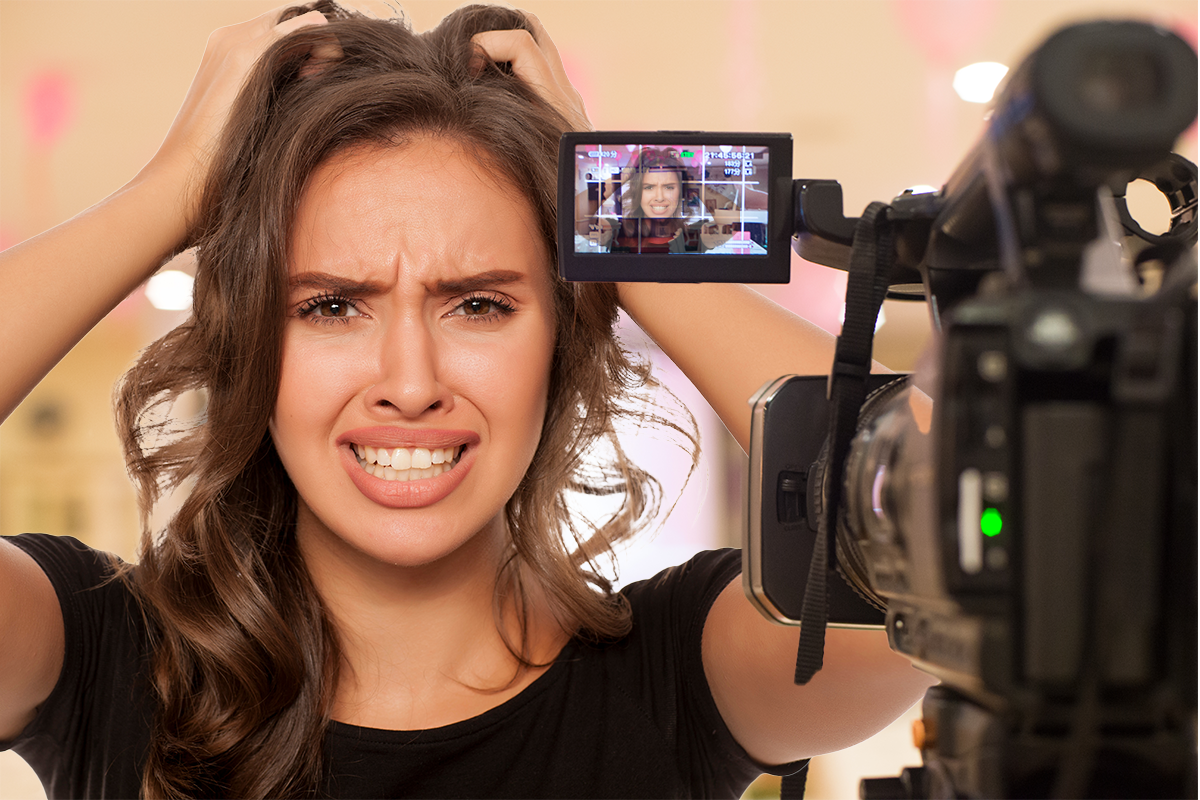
(1037, 547)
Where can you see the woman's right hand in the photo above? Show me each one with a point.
(187, 150)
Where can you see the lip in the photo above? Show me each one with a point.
(407, 494)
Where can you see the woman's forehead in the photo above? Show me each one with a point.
(428, 201)
(426, 152)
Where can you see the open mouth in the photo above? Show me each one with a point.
(407, 463)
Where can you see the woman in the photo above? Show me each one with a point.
(654, 214)
(656, 182)
(373, 587)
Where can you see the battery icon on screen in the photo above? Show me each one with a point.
(687, 154)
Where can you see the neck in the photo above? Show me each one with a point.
(422, 646)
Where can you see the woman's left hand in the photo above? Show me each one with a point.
(536, 61)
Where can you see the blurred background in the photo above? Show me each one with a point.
(866, 87)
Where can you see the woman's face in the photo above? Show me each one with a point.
(660, 193)
(416, 353)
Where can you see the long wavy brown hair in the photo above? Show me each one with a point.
(245, 656)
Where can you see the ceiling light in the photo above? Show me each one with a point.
(976, 83)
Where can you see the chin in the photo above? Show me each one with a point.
(398, 537)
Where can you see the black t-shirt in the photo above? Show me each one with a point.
(633, 718)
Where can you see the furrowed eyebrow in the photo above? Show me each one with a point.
(351, 288)
(335, 283)
(483, 280)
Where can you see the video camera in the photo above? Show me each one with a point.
(1035, 547)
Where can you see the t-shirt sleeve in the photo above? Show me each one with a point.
(87, 739)
(669, 612)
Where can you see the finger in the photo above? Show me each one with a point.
(297, 22)
(269, 24)
(550, 51)
(518, 47)
(250, 38)
(327, 50)
(530, 64)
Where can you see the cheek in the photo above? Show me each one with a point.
(508, 382)
(314, 382)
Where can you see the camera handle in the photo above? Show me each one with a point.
(872, 256)
(822, 235)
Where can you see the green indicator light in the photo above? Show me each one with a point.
(990, 523)
(687, 154)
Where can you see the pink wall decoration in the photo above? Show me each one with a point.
(580, 74)
(49, 107)
(947, 30)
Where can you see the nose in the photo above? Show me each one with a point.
(407, 374)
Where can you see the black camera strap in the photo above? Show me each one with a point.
(871, 264)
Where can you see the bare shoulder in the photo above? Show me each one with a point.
(750, 664)
(31, 627)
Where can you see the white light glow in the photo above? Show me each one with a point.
(170, 290)
(976, 83)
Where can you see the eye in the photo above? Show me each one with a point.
(482, 307)
(328, 307)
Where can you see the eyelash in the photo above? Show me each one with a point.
(309, 308)
(500, 307)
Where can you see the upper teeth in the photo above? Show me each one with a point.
(404, 457)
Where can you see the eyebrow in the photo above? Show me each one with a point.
(335, 283)
(352, 288)
(482, 280)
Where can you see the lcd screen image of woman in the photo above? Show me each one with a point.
(662, 199)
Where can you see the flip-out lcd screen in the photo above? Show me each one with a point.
(674, 207)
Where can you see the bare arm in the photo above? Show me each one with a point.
(750, 663)
(88, 265)
(31, 627)
(729, 340)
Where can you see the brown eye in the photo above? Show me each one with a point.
(482, 307)
(327, 307)
(478, 305)
(334, 308)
